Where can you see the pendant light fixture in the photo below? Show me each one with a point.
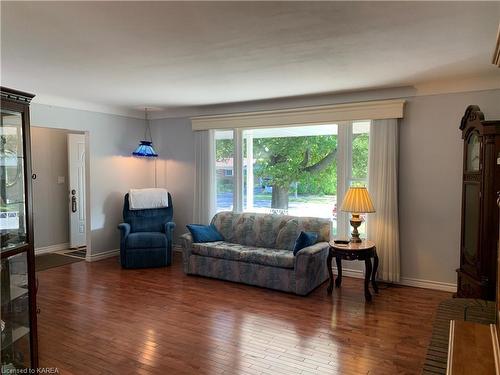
(145, 148)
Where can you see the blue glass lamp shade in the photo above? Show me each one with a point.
(145, 149)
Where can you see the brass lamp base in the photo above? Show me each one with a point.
(355, 223)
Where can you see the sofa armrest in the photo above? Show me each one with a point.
(124, 230)
(310, 267)
(187, 245)
(312, 250)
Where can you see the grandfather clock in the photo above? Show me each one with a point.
(480, 219)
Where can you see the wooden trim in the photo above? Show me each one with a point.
(102, 255)
(14, 251)
(496, 350)
(471, 349)
(15, 95)
(51, 248)
(381, 109)
(32, 282)
(449, 369)
(406, 281)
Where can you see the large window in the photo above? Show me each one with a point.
(358, 160)
(292, 170)
(300, 170)
(224, 170)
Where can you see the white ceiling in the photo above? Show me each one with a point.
(125, 55)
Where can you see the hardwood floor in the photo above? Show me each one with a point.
(99, 319)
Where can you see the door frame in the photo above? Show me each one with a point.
(88, 229)
(77, 239)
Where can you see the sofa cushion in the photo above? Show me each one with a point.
(289, 233)
(287, 236)
(243, 253)
(243, 232)
(142, 240)
(270, 257)
(204, 233)
(251, 229)
(266, 228)
(218, 249)
(223, 221)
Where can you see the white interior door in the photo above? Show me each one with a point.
(76, 164)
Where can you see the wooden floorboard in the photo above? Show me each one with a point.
(97, 318)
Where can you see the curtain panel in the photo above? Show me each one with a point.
(204, 185)
(383, 226)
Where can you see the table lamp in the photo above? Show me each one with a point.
(357, 201)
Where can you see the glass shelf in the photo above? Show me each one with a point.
(15, 311)
(12, 188)
(18, 332)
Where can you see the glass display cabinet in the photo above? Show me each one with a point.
(480, 187)
(17, 285)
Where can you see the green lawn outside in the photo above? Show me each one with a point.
(301, 198)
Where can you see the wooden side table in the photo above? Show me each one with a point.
(365, 250)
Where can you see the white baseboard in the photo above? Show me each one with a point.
(406, 281)
(103, 255)
(429, 284)
(51, 248)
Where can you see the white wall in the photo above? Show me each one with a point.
(430, 176)
(429, 180)
(112, 170)
(175, 144)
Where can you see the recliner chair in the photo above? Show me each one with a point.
(146, 236)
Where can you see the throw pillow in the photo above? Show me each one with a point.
(304, 239)
(204, 233)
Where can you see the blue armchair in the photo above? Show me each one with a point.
(146, 236)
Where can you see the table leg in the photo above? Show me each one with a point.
(374, 273)
(330, 271)
(368, 273)
(338, 281)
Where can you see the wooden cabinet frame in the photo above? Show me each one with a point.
(18, 101)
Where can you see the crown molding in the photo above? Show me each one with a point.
(490, 81)
(483, 82)
(58, 101)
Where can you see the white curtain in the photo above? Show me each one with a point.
(204, 184)
(383, 226)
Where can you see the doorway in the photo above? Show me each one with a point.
(60, 196)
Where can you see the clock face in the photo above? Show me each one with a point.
(473, 153)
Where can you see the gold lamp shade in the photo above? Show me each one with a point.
(357, 201)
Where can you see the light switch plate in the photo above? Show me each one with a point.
(61, 179)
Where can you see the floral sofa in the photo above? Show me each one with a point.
(258, 250)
